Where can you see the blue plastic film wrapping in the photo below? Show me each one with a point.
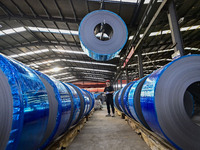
(116, 101)
(125, 99)
(64, 97)
(162, 102)
(95, 48)
(134, 101)
(121, 99)
(76, 104)
(83, 106)
(30, 107)
(87, 101)
(60, 108)
(114, 98)
(92, 98)
(91, 101)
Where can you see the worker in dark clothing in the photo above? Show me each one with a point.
(109, 98)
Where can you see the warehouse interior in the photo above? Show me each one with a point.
(44, 35)
(28, 26)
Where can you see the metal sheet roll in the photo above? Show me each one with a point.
(134, 101)
(93, 43)
(163, 102)
(91, 101)
(125, 99)
(116, 100)
(24, 106)
(76, 104)
(87, 101)
(60, 109)
(121, 99)
(82, 101)
(114, 97)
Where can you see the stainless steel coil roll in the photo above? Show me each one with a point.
(134, 101)
(116, 100)
(60, 109)
(121, 99)
(166, 105)
(24, 106)
(102, 34)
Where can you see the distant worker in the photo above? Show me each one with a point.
(109, 98)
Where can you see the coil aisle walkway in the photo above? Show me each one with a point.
(103, 133)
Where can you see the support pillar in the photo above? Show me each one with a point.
(121, 81)
(140, 65)
(127, 77)
(175, 30)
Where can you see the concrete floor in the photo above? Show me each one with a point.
(107, 133)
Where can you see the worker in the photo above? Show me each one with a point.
(108, 91)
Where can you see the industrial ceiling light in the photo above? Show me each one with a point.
(56, 69)
(79, 68)
(52, 30)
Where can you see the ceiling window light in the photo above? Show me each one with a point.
(130, 37)
(68, 60)
(93, 63)
(66, 78)
(192, 48)
(20, 29)
(61, 74)
(98, 70)
(125, 1)
(169, 31)
(29, 53)
(9, 31)
(13, 30)
(56, 69)
(33, 28)
(70, 80)
(68, 51)
(53, 70)
(94, 78)
(52, 30)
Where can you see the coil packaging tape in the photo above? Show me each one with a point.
(98, 49)
(162, 102)
(24, 106)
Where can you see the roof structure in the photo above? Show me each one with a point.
(43, 34)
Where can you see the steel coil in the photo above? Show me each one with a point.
(166, 105)
(36, 108)
(102, 21)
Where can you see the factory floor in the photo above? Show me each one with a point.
(107, 133)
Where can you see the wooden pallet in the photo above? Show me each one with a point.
(121, 114)
(65, 140)
(152, 140)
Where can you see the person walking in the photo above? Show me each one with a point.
(109, 98)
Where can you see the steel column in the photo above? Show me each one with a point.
(140, 65)
(175, 30)
(121, 81)
(127, 77)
